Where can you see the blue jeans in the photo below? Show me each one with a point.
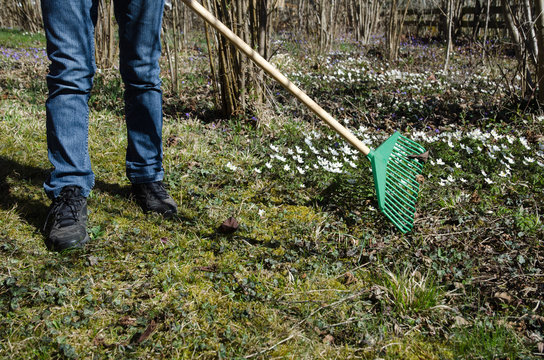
(69, 28)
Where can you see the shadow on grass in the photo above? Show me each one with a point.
(28, 207)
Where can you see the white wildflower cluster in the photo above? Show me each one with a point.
(331, 154)
(339, 68)
(498, 148)
(318, 153)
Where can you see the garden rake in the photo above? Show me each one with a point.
(397, 163)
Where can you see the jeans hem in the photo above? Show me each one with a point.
(146, 178)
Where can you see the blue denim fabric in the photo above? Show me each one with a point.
(69, 28)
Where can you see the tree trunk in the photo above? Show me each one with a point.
(540, 37)
(449, 41)
(237, 79)
(526, 80)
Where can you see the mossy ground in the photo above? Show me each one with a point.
(314, 271)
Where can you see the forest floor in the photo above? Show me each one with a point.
(314, 269)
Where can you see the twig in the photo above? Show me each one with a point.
(330, 305)
(353, 270)
(270, 348)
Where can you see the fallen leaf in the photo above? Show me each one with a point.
(98, 341)
(420, 179)
(461, 321)
(349, 278)
(503, 296)
(211, 268)
(140, 338)
(475, 198)
(328, 339)
(127, 321)
(172, 141)
(424, 157)
(229, 226)
(92, 260)
(540, 347)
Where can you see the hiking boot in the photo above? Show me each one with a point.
(152, 197)
(67, 220)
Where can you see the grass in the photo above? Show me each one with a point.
(314, 271)
(13, 38)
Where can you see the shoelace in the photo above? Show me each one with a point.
(64, 209)
(157, 189)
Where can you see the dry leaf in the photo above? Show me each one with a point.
(172, 141)
(461, 321)
(229, 226)
(328, 339)
(503, 296)
(140, 338)
(211, 268)
(92, 260)
(349, 278)
(475, 198)
(127, 321)
(420, 179)
(421, 157)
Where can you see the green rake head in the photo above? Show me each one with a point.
(395, 167)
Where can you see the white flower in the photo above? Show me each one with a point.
(469, 150)
(258, 171)
(301, 171)
(489, 181)
(290, 152)
(261, 212)
(523, 142)
(440, 162)
(286, 167)
(457, 165)
(529, 159)
(510, 160)
(231, 166)
(352, 164)
(443, 182)
(463, 180)
(268, 165)
(281, 158)
(275, 148)
(484, 173)
(503, 174)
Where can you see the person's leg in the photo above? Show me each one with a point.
(69, 29)
(140, 49)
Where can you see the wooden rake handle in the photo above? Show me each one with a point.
(279, 77)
